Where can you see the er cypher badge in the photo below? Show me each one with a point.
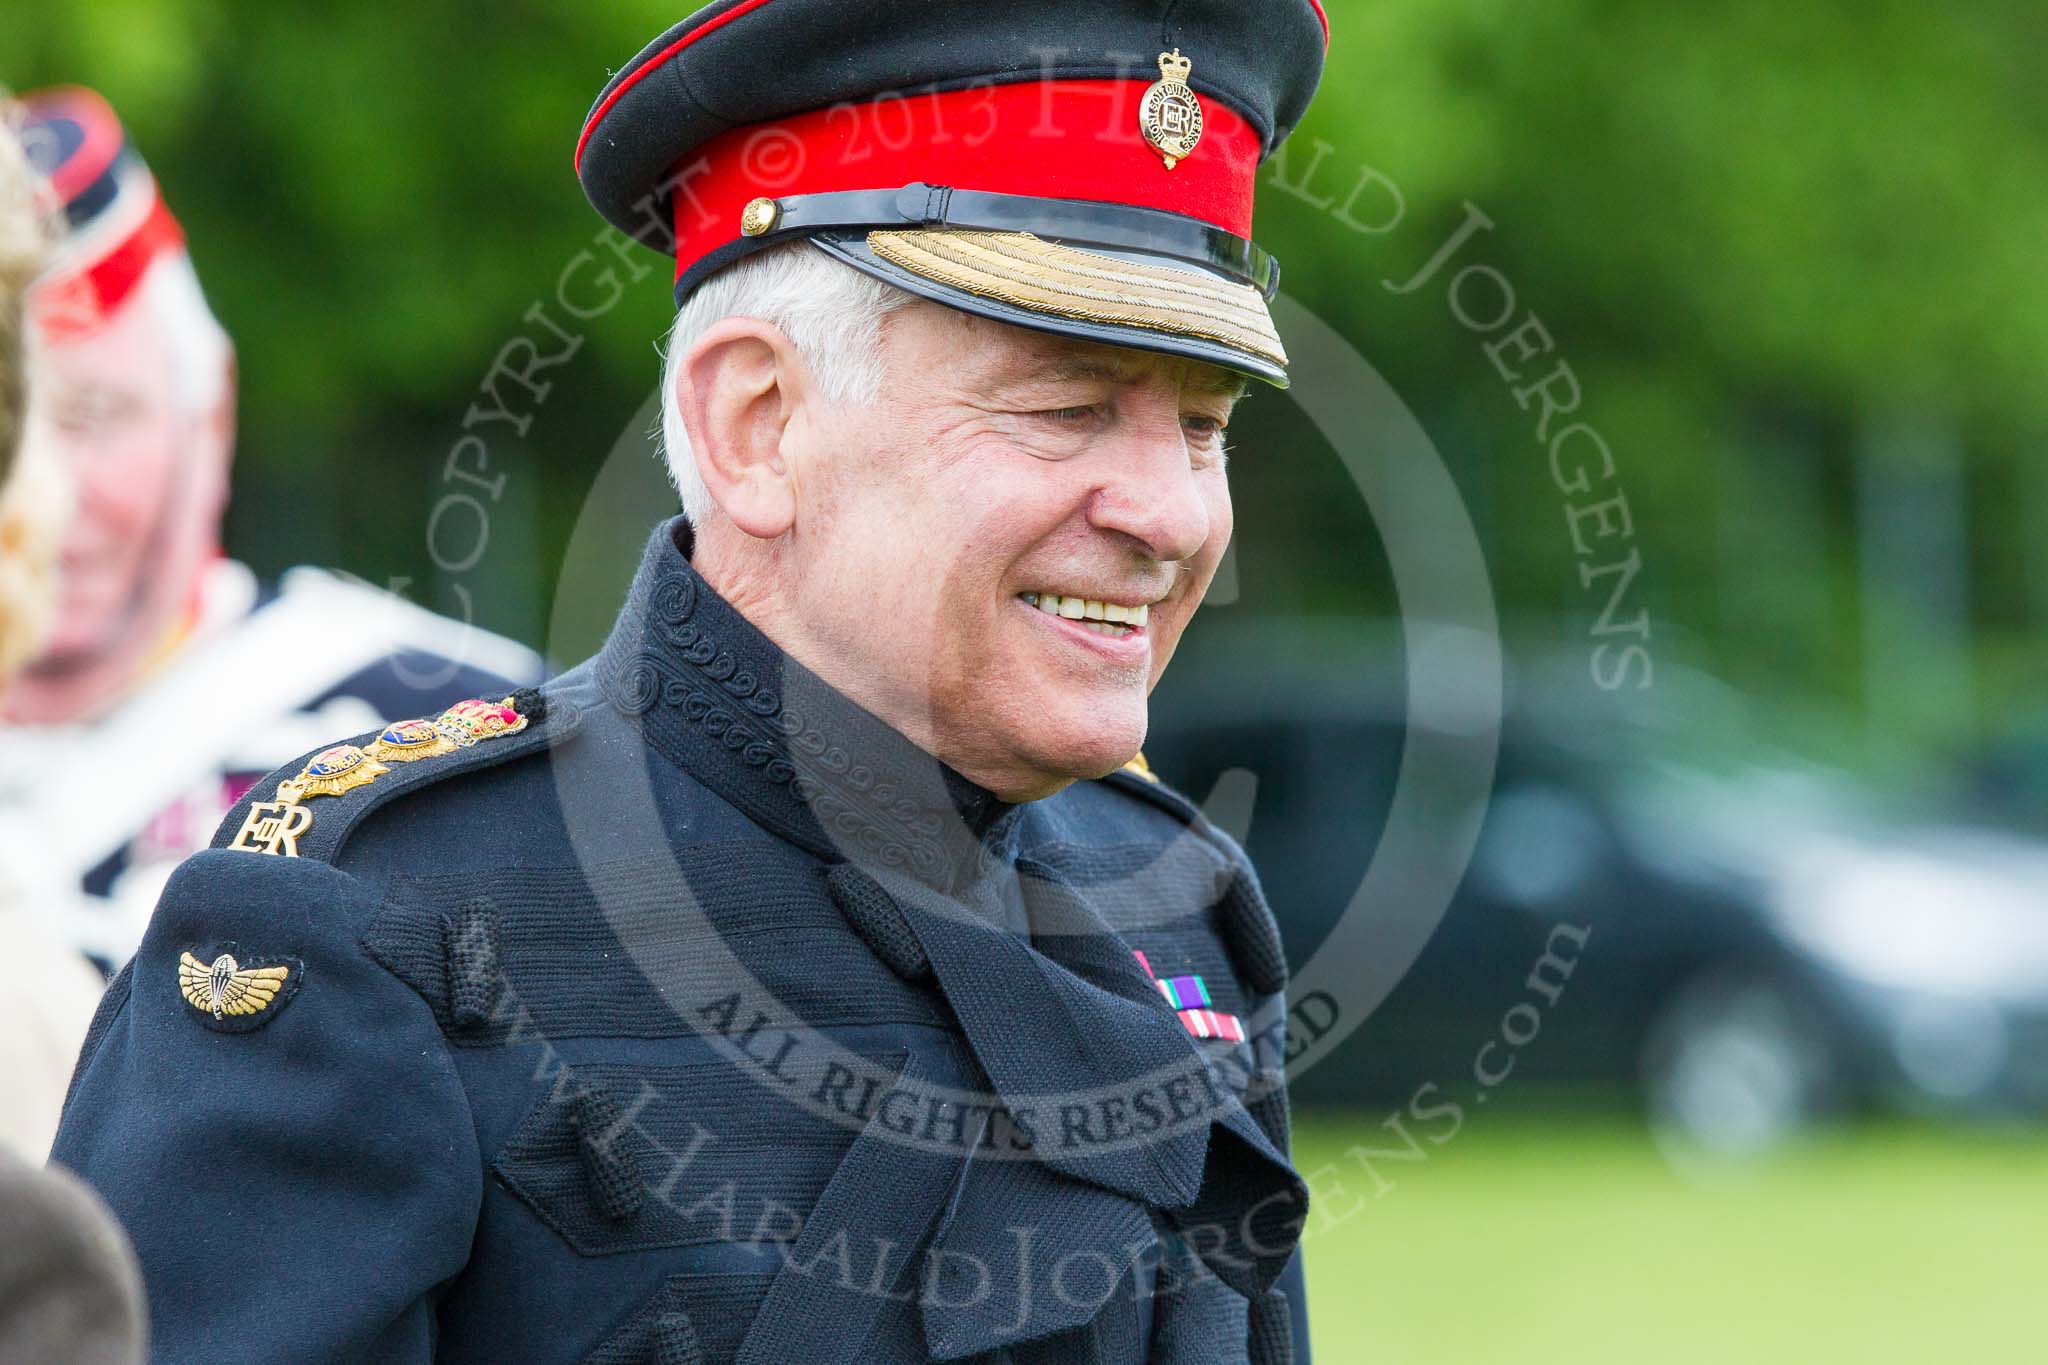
(1171, 116)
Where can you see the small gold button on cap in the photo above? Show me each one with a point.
(760, 216)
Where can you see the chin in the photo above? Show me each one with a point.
(1094, 740)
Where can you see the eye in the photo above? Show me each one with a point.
(1204, 428)
(86, 412)
(78, 417)
(1069, 417)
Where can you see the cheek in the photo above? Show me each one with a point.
(970, 506)
(934, 525)
(1222, 519)
(126, 469)
(1215, 491)
(126, 478)
(1202, 572)
(957, 548)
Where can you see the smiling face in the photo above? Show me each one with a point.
(998, 555)
(140, 417)
(117, 430)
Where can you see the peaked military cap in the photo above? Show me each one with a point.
(1075, 166)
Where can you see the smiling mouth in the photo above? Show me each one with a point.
(1104, 618)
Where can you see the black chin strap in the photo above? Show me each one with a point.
(1117, 227)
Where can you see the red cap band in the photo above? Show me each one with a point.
(82, 299)
(1057, 140)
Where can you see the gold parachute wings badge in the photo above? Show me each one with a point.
(228, 989)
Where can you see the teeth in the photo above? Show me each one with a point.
(1112, 617)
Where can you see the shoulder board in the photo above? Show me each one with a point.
(309, 807)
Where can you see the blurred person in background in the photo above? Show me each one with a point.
(34, 499)
(56, 989)
(172, 678)
(69, 1287)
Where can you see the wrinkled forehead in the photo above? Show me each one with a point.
(991, 353)
(130, 332)
(129, 352)
(159, 339)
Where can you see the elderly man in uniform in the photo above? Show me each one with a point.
(816, 974)
(173, 678)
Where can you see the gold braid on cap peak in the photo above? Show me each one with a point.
(1023, 270)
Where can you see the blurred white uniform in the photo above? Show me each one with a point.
(189, 681)
(93, 817)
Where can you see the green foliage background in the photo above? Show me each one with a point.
(1759, 232)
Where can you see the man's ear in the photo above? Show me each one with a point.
(738, 387)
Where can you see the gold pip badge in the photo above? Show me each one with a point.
(274, 827)
(1170, 116)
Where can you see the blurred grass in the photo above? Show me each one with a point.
(1571, 1239)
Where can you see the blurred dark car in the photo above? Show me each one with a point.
(1750, 945)
(2006, 781)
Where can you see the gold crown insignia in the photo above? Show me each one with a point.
(1170, 117)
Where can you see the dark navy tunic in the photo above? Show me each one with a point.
(704, 1018)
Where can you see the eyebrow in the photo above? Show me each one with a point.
(1065, 368)
(1224, 383)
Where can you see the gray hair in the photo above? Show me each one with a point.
(201, 355)
(831, 312)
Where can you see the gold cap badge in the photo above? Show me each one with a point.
(1170, 116)
(409, 741)
(336, 771)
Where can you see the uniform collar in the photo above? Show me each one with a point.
(718, 698)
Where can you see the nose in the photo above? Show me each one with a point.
(1149, 492)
